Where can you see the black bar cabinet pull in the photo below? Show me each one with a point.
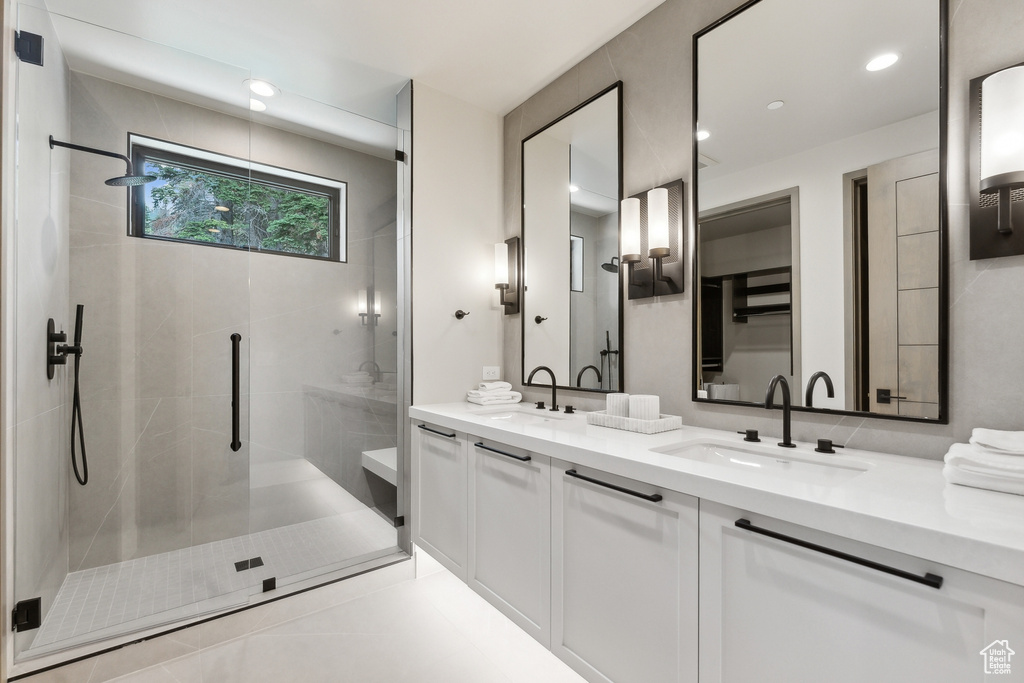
(236, 443)
(524, 458)
(653, 497)
(434, 431)
(931, 580)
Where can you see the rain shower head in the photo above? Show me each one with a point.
(129, 179)
(612, 266)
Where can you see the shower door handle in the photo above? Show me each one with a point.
(236, 339)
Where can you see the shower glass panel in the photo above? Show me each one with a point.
(240, 403)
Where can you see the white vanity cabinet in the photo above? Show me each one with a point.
(440, 494)
(510, 533)
(784, 607)
(624, 577)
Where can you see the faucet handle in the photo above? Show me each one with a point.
(540, 405)
(750, 435)
(570, 410)
(826, 446)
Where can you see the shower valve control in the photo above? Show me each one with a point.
(57, 352)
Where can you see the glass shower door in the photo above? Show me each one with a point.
(153, 535)
(323, 400)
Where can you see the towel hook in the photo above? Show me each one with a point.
(460, 314)
(539, 319)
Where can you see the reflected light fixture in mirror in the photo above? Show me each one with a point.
(997, 104)
(507, 275)
(364, 304)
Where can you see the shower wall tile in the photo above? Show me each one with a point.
(220, 289)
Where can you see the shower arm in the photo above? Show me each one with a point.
(93, 150)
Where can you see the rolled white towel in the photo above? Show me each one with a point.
(980, 459)
(644, 407)
(617, 405)
(1010, 443)
(496, 399)
(958, 475)
(494, 386)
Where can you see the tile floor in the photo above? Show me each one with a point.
(432, 628)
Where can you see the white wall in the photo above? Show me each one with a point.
(456, 222)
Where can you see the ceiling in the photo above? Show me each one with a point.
(357, 55)
(811, 55)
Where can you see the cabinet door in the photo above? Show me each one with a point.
(624, 578)
(440, 494)
(772, 610)
(510, 533)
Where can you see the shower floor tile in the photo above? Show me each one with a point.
(148, 591)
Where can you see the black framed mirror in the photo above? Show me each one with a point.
(572, 285)
(819, 206)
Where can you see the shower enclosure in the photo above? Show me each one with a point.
(241, 366)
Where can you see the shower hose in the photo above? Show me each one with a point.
(76, 408)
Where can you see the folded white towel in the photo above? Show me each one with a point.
(1011, 443)
(958, 475)
(980, 459)
(494, 386)
(357, 378)
(496, 399)
(490, 392)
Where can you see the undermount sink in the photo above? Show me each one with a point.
(521, 414)
(782, 464)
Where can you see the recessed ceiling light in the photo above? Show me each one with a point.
(574, 188)
(256, 105)
(262, 88)
(882, 61)
(703, 135)
(776, 104)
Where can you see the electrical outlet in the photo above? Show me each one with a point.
(492, 372)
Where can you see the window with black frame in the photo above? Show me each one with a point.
(205, 198)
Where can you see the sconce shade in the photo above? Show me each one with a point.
(500, 264)
(630, 230)
(657, 222)
(376, 303)
(361, 303)
(1002, 130)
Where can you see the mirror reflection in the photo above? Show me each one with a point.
(572, 296)
(819, 224)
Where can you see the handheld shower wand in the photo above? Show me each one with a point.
(76, 405)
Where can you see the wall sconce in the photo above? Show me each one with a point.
(368, 301)
(997, 163)
(656, 217)
(507, 274)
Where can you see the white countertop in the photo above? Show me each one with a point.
(899, 503)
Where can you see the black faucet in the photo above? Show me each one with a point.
(769, 403)
(554, 405)
(579, 377)
(809, 394)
